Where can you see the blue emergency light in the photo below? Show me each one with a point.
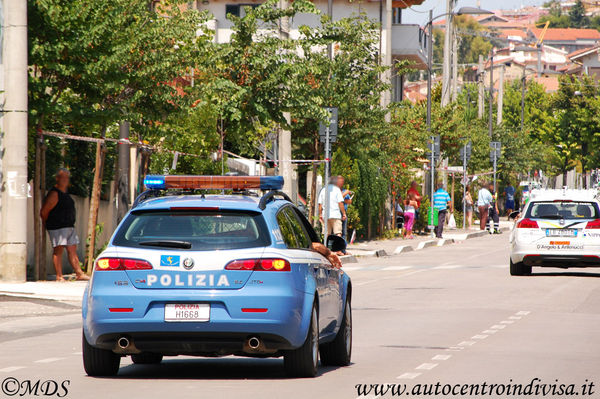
(163, 182)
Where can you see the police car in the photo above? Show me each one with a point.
(557, 228)
(188, 273)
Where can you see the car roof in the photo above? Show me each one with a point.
(564, 194)
(230, 202)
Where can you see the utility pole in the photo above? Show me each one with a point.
(481, 87)
(15, 189)
(123, 164)
(386, 96)
(429, 69)
(285, 136)
(491, 123)
(446, 73)
(500, 95)
(523, 82)
(454, 84)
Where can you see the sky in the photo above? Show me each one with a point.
(419, 14)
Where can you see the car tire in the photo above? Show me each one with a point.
(519, 269)
(339, 351)
(303, 362)
(99, 362)
(146, 358)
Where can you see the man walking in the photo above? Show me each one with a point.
(58, 217)
(337, 212)
(494, 215)
(441, 202)
(509, 193)
(484, 199)
(347, 194)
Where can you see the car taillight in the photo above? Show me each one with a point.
(527, 224)
(260, 265)
(594, 224)
(122, 264)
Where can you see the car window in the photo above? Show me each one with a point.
(302, 238)
(203, 230)
(287, 231)
(312, 234)
(562, 210)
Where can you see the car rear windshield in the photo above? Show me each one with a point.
(193, 230)
(562, 210)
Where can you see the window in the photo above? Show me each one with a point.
(287, 231)
(302, 239)
(238, 10)
(562, 210)
(201, 230)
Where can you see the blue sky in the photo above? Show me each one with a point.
(420, 13)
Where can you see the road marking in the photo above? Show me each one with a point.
(441, 357)
(49, 360)
(498, 326)
(507, 321)
(408, 376)
(515, 317)
(78, 353)
(455, 348)
(365, 282)
(479, 336)
(352, 268)
(426, 366)
(489, 331)
(446, 267)
(396, 268)
(522, 313)
(467, 343)
(11, 369)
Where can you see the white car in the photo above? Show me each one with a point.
(556, 228)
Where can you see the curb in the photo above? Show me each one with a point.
(426, 244)
(403, 248)
(445, 241)
(348, 259)
(372, 253)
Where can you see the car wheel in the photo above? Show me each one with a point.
(146, 358)
(99, 362)
(519, 269)
(339, 351)
(303, 362)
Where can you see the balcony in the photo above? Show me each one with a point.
(409, 42)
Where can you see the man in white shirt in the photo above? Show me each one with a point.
(337, 211)
(484, 199)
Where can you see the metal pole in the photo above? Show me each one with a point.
(15, 189)
(123, 163)
(446, 73)
(491, 94)
(500, 95)
(429, 69)
(464, 182)
(495, 162)
(432, 167)
(523, 81)
(326, 185)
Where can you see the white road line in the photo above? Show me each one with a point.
(408, 376)
(507, 321)
(467, 343)
(515, 317)
(426, 366)
(441, 357)
(396, 268)
(455, 348)
(78, 353)
(498, 326)
(352, 268)
(49, 360)
(11, 369)
(479, 336)
(522, 313)
(446, 267)
(489, 331)
(364, 283)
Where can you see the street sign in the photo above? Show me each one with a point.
(434, 145)
(495, 151)
(333, 126)
(466, 148)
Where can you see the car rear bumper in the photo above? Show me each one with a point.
(562, 260)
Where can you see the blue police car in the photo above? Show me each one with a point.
(188, 273)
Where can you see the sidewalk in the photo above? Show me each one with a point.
(399, 245)
(58, 291)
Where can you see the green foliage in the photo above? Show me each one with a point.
(575, 18)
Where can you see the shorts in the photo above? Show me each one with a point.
(510, 204)
(334, 226)
(63, 237)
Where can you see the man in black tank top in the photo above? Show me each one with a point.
(58, 217)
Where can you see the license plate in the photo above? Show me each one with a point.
(195, 312)
(561, 232)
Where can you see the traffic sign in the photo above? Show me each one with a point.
(467, 147)
(333, 126)
(495, 151)
(434, 145)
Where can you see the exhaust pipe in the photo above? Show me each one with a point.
(123, 342)
(253, 342)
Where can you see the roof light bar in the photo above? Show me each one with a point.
(213, 182)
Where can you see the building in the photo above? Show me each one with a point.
(567, 39)
(585, 61)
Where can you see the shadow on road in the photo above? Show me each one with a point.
(566, 274)
(213, 369)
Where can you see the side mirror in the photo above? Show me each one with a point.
(514, 215)
(336, 243)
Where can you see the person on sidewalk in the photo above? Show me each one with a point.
(494, 215)
(347, 194)
(468, 207)
(484, 199)
(414, 189)
(441, 202)
(399, 214)
(410, 207)
(509, 205)
(58, 217)
(337, 212)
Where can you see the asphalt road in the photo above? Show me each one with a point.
(451, 315)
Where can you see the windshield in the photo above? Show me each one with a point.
(193, 230)
(562, 210)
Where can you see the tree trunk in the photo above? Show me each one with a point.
(94, 205)
(313, 186)
(42, 267)
(37, 205)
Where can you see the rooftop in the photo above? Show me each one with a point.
(567, 34)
